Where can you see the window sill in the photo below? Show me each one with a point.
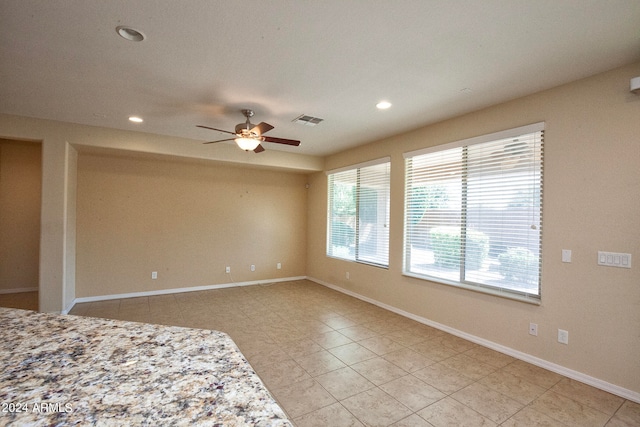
(372, 264)
(489, 291)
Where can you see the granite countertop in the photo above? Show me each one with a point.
(69, 370)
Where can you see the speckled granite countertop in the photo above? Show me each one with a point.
(68, 370)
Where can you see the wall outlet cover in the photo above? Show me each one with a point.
(563, 336)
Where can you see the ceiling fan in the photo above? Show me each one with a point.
(249, 136)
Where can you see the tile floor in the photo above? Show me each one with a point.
(23, 300)
(333, 360)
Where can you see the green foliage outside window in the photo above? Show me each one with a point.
(445, 243)
(344, 200)
(519, 264)
(423, 198)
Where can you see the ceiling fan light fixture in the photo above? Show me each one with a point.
(247, 144)
(248, 137)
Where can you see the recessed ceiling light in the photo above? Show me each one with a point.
(135, 119)
(383, 105)
(129, 33)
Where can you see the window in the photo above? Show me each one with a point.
(473, 213)
(358, 213)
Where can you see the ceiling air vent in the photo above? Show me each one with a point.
(307, 120)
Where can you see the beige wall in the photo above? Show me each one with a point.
(591, 203)
(185, 220)
(20, 184)
(59, 155)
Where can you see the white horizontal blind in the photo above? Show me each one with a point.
(341, 237)
(433, 206)
(373, 214)
(358, 214)
(473, 214)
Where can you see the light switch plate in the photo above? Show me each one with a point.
(566, 255)
(614, 259)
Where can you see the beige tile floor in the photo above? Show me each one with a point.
(333, 360)
(23, 300)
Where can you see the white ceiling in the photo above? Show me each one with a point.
(203, 60)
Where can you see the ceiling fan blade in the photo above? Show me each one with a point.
(262, 128)
(281, 140)
(220, 140)
(219, 130)
(258, 149)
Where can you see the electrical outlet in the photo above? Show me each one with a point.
(347, 275)
(253, 267)
(154, 275)
(566, 255)
(279, 266)
(227, 270)
(563, 336)
(533, 329)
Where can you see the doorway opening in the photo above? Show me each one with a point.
(20, 207)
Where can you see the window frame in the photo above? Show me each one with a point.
(462, 282)
(357, 246)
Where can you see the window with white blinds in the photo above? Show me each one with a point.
(358, 213)
(473, 213)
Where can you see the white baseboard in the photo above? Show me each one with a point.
(569, 373)
(18, 290)
(178, 291)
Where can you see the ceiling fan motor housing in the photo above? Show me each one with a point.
(244, 128)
